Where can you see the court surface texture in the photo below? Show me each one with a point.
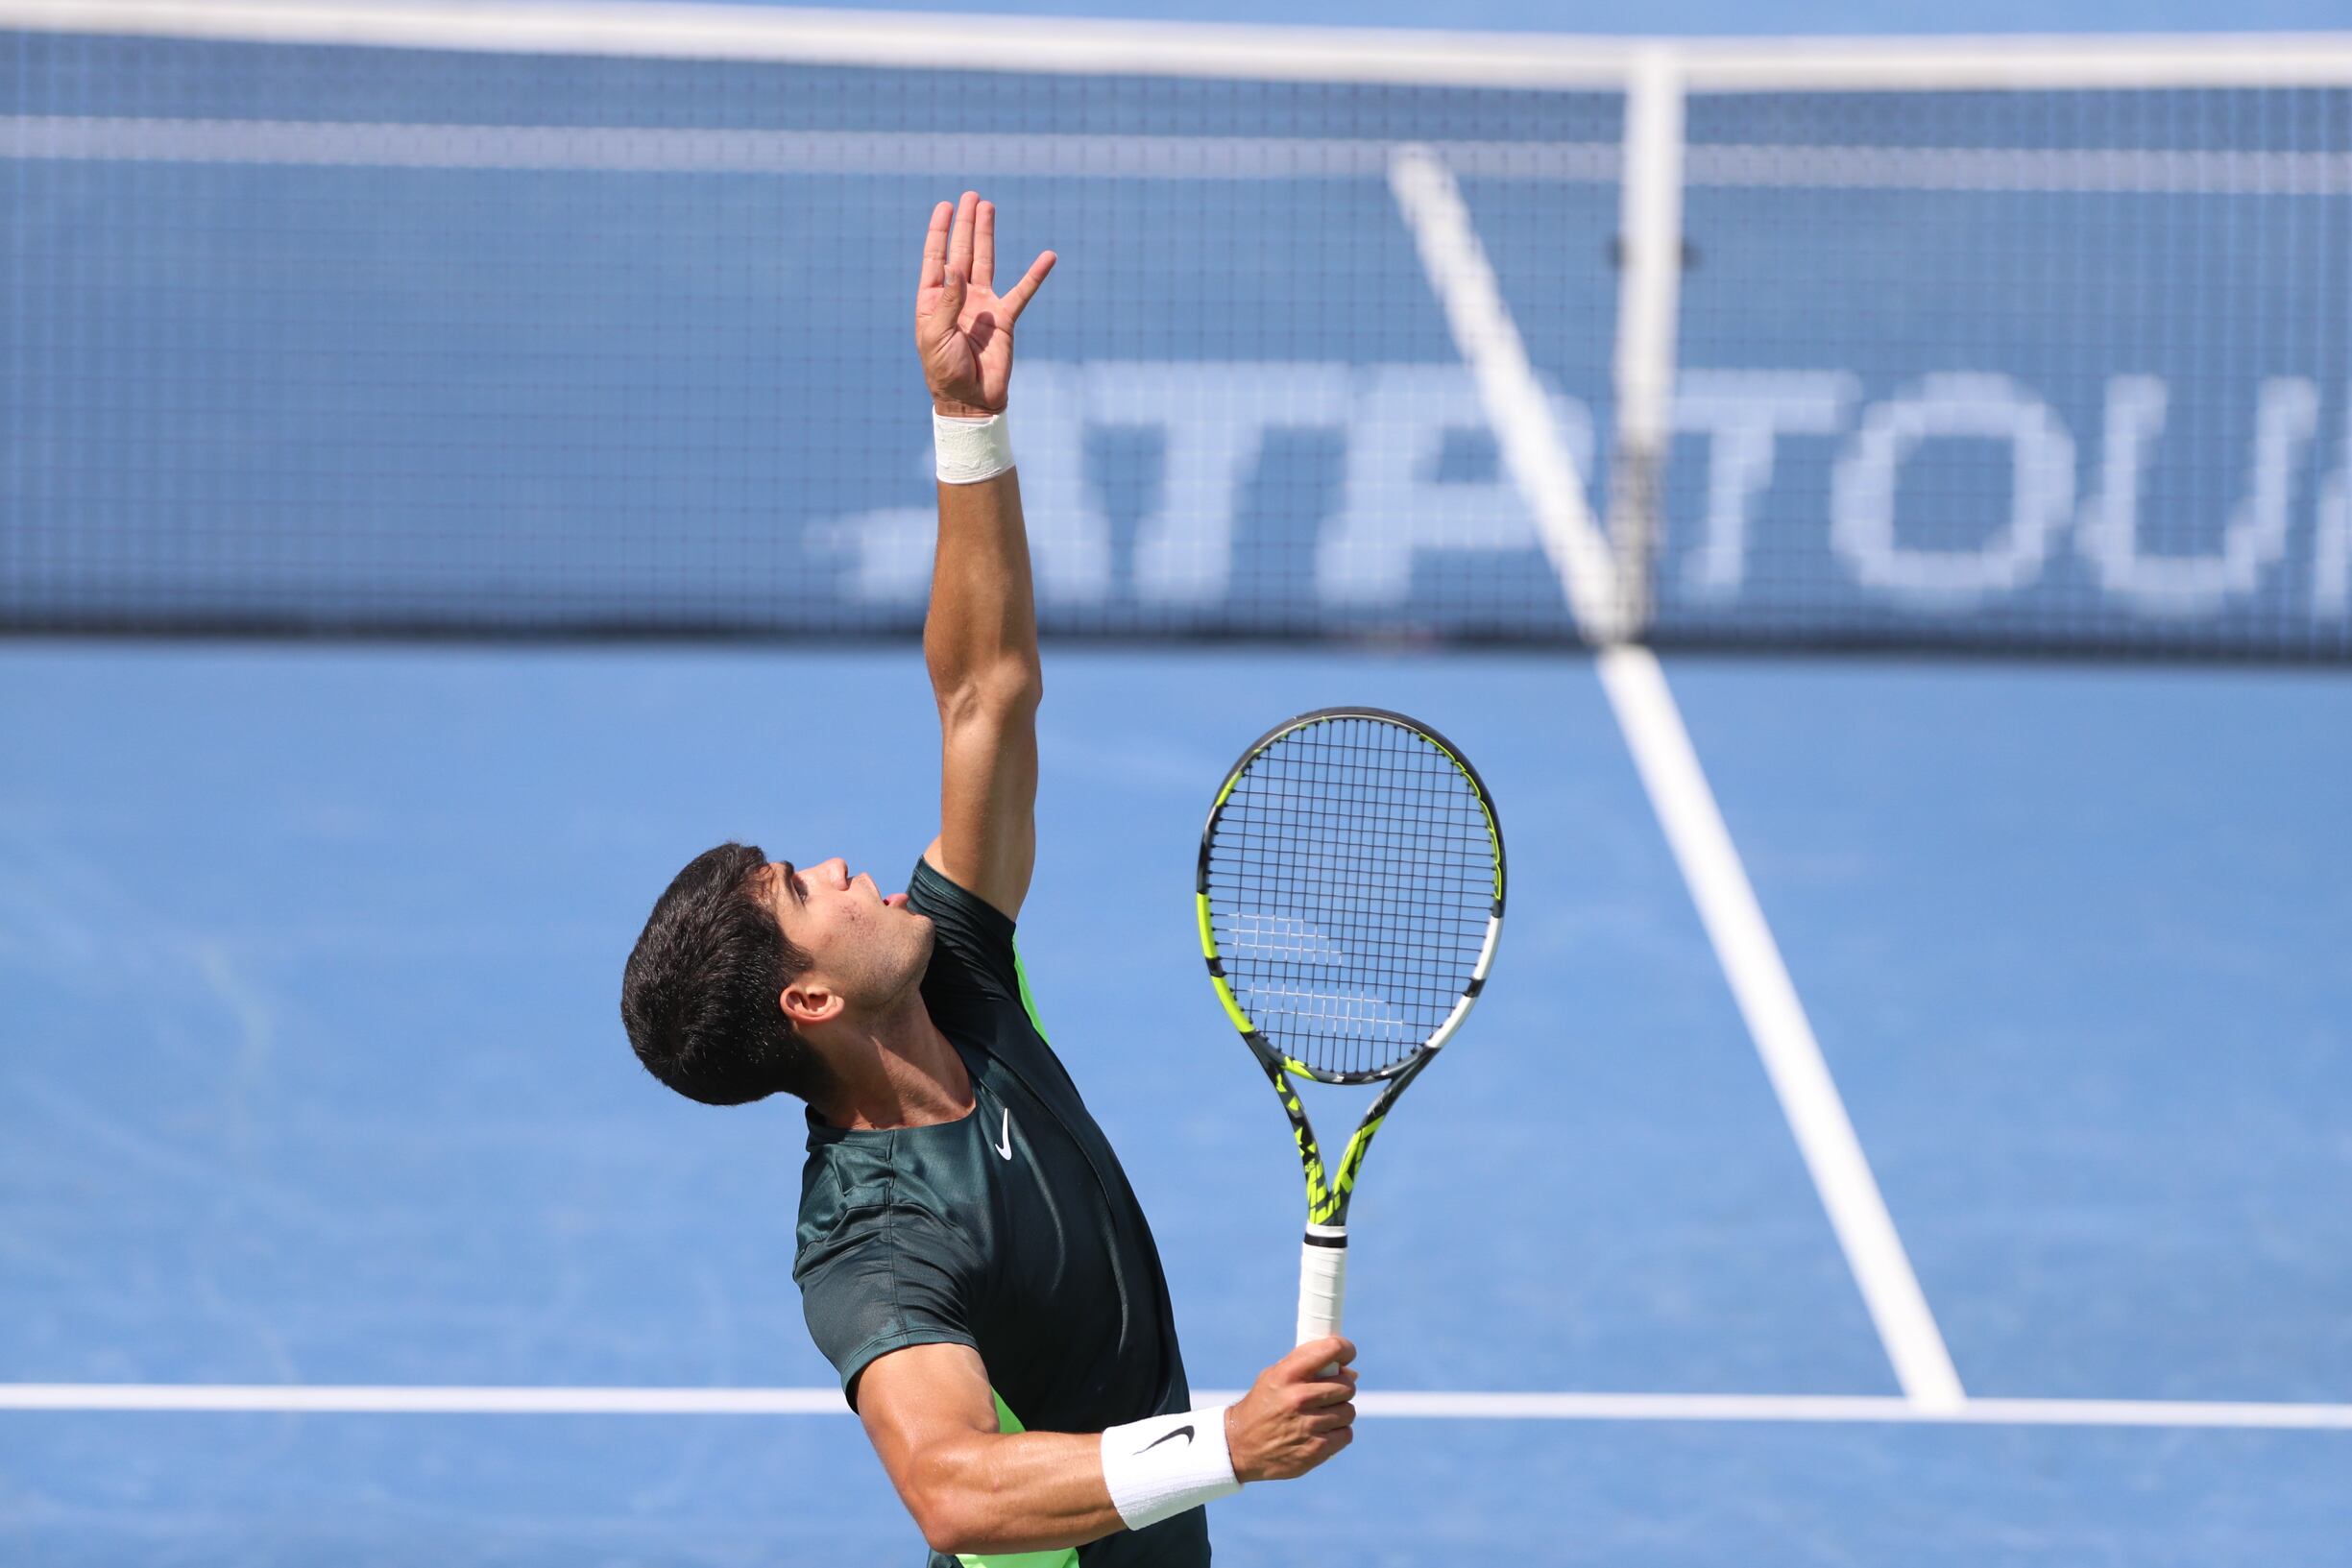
(315, 1090)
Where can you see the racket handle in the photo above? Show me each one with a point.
(1323, 1282)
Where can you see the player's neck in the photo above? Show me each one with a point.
(896, 1069)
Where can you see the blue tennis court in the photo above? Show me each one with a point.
(317, 1081)
(1879, 518)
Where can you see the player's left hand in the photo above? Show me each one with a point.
(962, 327)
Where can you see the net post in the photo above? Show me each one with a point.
(1648, 291)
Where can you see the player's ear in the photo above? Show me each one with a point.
(805, 1002)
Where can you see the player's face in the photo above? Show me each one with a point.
(868, 948)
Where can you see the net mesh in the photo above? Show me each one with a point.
(358, 339)
(1350, 877)
(2039, 370)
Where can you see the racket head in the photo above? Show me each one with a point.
(1350, 893)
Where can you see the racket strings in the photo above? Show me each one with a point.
(1351, 874)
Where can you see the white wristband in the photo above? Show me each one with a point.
(1161, 1465)
(967, 451)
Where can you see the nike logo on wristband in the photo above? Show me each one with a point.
(1186, 1432)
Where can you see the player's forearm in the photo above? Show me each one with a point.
(1031, 1491)
(979, 638)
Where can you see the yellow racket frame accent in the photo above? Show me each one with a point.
(1327, 1196)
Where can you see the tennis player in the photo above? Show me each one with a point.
(971, 1257)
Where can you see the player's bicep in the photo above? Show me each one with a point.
(987, 798)
(918, 1403)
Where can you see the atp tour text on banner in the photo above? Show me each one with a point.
(2045, 497)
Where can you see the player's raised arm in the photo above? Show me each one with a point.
(980, 636)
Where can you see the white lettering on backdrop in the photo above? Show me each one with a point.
(1214, 420)
(2330, 593)
(1969, 405)
(2252, 542)
(1743, 413)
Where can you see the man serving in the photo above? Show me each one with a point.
(971, 1257)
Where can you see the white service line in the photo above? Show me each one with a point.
(1859, 1409)
(296, 1399)
(1649, 310)
(1539, 462)
(1767, 1000)
(379, 1399)
(1516, 406)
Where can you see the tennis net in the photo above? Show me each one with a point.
(479, 336)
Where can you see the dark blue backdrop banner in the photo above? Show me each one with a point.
(348, 340)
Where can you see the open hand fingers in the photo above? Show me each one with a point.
(1018, 300)
(983, 245)
(935, 247)
(959, 241)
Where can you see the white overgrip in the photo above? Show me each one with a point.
(1323, 1281)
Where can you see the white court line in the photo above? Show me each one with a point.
(1767, 1000)
(1489, 341)
(1858, 1408)
(361, 1399)
(1645, 709)
(297, 1399)
(1246, 52)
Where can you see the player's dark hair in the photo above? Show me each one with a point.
(699, 994)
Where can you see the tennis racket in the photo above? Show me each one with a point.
(1350, 895)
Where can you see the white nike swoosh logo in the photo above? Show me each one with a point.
(1004, 1144)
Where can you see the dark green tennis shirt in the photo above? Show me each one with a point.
(1012, 1231)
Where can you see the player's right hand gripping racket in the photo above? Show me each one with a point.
(1350, 895)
